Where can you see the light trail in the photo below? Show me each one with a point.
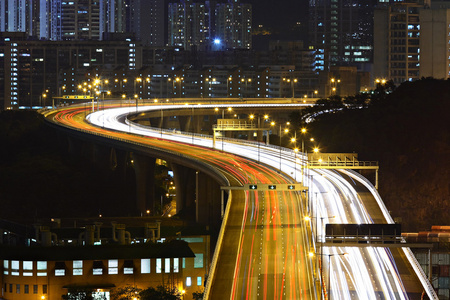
(365, 273)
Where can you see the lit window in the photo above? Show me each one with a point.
(5, 267)
(167, 265)
(97, 267)
(176, 267)
(27, 268)
(42, 268)
(128, 267)
(60, 268)
(15, 267)
(188, 281)
(198, 260)
(199, 281)
(113, 266)
(158, 265)
(77, 267)
(145, 266)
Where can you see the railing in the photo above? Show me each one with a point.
(237, 126)
(350, 163)
(212, 270)
(410, 256)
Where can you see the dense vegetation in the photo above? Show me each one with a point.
(36, 174)
(406, 129)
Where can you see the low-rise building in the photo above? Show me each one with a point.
(100, 259)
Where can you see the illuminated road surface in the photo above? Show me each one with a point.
(265, 256)
(264, 240)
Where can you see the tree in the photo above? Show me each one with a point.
(81, 294)
(126, 293)
(197, 295)
(160, 293)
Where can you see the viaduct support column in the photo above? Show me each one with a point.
(208, 202)
(144, 168)
(185, 122)
(185, 189)
(197, 125)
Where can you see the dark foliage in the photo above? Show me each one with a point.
(197, 295)
(407, 131)
(38, 179)
(160, 293)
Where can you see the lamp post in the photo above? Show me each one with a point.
(266, 117)
(334, 83)
(210, 87)
(136, 101)
(147, 80)
(329, 269)
(229, 79)
(286, 130)
(139, 80)
(124, 81)
(295, 163)
(174, 86)
(44, 95)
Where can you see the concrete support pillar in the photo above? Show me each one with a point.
(185, 122)
(197, 124)
(259, 136)
(185, 188)
(144, 168)
(162, 121)
(101, 155)
(74, 147)
(208, 202)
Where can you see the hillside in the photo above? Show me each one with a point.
(407, 131)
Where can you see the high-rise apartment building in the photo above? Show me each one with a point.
(210, 25)
(341, 31)
(233, 24)
(70, 20)
(187, 24)
(397, 38)
(14, 15)
(434, 42)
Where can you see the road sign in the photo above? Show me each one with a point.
(297, 187)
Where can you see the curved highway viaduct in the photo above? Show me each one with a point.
(211, 178)
(197, 184)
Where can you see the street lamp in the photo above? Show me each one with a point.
(138, 79)
(136, 101)
(229, 79)
(334, 83)
(286, 130)
(266, 117)
(147, 93)
(44, 95)
(175, 81)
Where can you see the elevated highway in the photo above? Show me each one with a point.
(266, 248)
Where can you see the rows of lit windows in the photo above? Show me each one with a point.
(166, 265)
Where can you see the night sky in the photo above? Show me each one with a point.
(278, 14)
